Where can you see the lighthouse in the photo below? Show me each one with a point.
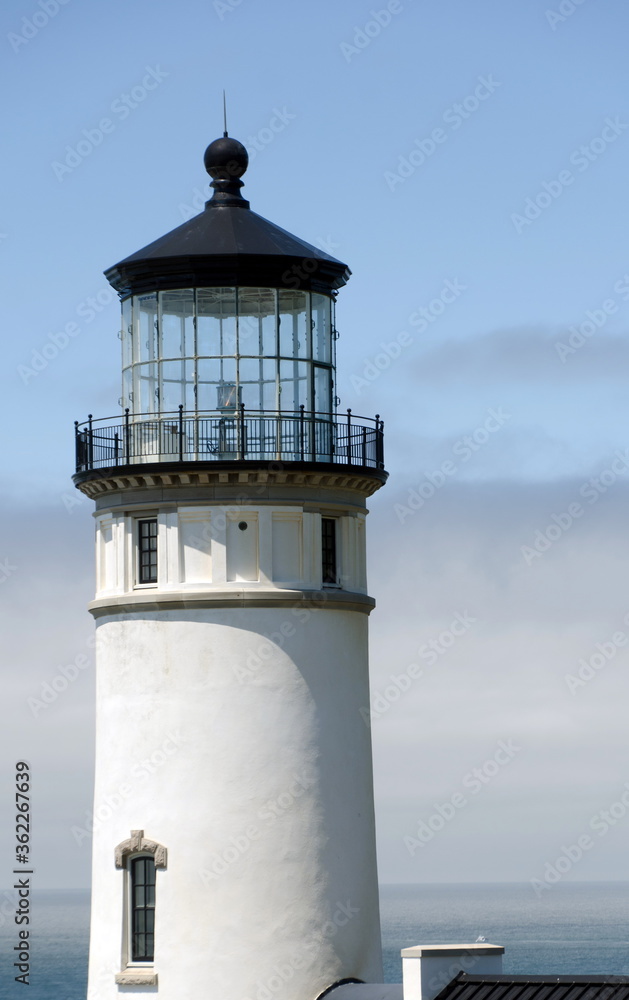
(234, 842)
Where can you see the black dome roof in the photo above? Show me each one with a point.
(228, 244)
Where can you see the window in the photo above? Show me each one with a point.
(328, 551)
(142, 898)
(139, 858)
(147, 551)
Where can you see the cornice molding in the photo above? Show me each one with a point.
(314, 600)
(95, 484)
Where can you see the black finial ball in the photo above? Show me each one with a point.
(226, 159)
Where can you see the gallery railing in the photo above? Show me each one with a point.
(235, 435)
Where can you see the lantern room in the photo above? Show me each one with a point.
(216, 348)
(228, 344)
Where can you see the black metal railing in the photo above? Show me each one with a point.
(233, 436)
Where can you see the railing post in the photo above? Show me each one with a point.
(313, 436)
(349, 437)
(76, 445)
(278, 436)
(364, 447)
(90, 443)
(301, 430)
(127, 436)
(180, 432)
(379, 442)
(116, 448)
(241, 435)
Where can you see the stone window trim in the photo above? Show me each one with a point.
(138, 844)
(135, 978)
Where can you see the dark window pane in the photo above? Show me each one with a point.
(147, 548)
(328, 550)
(142, 872)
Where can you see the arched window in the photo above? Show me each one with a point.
(142, 908)
(139, 858)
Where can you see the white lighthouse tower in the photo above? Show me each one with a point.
(234, 848)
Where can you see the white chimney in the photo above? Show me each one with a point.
(426, 969)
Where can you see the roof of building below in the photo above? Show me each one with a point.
(504, 987)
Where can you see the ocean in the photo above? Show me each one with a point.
(574, 928)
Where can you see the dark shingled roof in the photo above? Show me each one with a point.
(228, 245)
(467, 987)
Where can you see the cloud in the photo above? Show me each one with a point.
(524, 354)
(504, 678)
(48, 719)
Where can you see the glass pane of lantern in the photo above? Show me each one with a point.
(251, 379)
(208, 377)
(321, 328)
(127, 388)
(227, 397)
(145, 392)
(216, 322)
(322, 389)
(177, 324)
(126, 332)
(294, 335)
(269, 386)
(146, 327)
(293, 385)
(227, 368)
(269, 324)
(256, 321)
(173, 385)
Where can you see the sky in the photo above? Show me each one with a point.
(469, 162)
